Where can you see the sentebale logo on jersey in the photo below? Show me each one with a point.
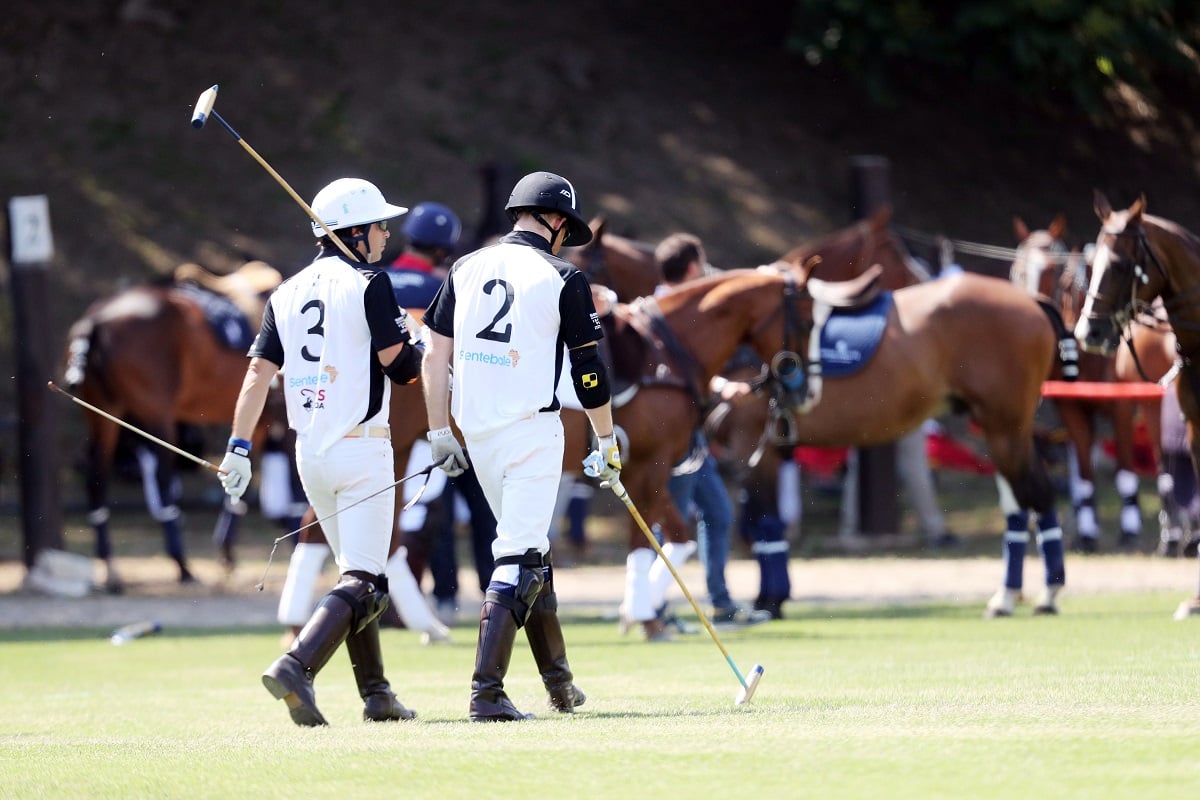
(509, 359)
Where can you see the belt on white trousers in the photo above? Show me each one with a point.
(369, 432)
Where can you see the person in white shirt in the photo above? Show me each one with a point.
(336, 332)
(501, 322)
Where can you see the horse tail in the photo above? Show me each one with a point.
(80, 340)
(1068, 349)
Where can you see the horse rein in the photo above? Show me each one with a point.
(1133, 312)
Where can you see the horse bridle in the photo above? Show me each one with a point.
(1134, 310)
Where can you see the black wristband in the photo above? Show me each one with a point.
(239, 446)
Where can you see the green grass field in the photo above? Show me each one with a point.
(919, 701)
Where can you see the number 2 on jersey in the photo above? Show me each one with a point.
(491, 332)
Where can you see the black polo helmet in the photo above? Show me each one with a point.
(551, 192)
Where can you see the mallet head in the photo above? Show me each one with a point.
(204, 106)
(745, 693)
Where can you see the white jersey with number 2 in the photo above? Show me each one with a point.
(504, 306)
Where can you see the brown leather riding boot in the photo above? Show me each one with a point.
(290, 678)
(550, 653)
(366, 659)
(497, 632)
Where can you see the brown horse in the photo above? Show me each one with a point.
(967, 342)
(149, 356)
(626, 266)
(1138, 258)
(1047, 269)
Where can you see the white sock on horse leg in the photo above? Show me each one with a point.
(660, 577)
(298, 597)
(410, 601)
(637, 606)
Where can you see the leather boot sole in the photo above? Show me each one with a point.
(288, 684)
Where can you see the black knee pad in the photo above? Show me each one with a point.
(367, 596)
(519, 599)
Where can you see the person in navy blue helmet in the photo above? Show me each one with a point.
(431, 233)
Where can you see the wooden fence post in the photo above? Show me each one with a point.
(30, 248)
(878, 509)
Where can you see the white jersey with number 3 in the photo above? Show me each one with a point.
(330, 363)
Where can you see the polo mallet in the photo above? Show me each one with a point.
(748, 685)
(204, 109)
(426, 472)
(208, 465)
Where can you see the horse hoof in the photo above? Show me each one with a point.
(1045, 611)
(1086, 545)
(1167, 549)
(996, 613)
(1188, 608)
(1129, 543)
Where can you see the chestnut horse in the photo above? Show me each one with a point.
(1138, 258)
(967, 342)
(1047, 269)
(149, 356)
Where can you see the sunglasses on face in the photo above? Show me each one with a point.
(382, 224)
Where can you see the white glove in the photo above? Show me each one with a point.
(236, 475)
(604, 462)
(447, 452)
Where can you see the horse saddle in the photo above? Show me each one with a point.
(849, 318)
(246, 287)
(855, 293)
(637, 351)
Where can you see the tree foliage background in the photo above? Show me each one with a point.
(1079, 52)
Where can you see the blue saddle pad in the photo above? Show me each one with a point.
(850, 337)
(227, 321)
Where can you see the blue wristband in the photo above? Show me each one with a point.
(239, 446)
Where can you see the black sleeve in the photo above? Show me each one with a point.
(385, 319)
(580, 322)
(440, 314)
(267, 344)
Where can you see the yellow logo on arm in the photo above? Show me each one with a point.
(331, 371)
(590, 380)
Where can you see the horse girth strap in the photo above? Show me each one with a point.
(660, 335)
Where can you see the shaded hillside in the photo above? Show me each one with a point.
(667, 116)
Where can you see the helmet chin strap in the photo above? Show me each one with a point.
(352, 243)
(553, 233)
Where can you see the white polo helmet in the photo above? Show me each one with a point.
(348, 202)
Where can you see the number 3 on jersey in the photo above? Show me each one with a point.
(317, 329)
(491, 332)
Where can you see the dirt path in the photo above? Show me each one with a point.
(217, 601)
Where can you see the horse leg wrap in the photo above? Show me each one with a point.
(660, 576)
(366, 659)
(409, 600)
(304, 569)
(1083, 495)
(771, 549)
(99, 517)
(1131, 512)
(1016, 539)
(636, 606)
(1051, 545)
(497, 632)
